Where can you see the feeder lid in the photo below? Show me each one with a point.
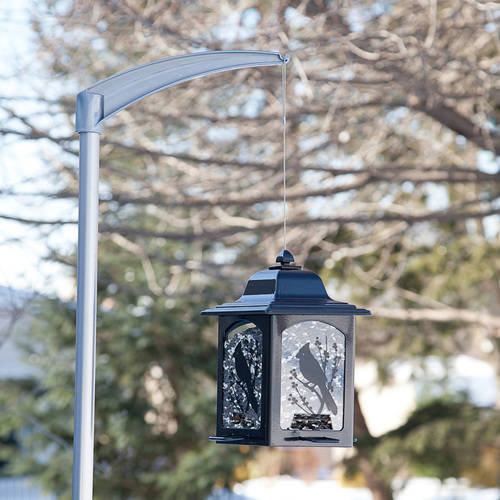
(285, 289)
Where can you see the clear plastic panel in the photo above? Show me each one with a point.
(242, 377)
(312, 377)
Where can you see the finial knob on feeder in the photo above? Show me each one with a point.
(285, 261)
(284, 257)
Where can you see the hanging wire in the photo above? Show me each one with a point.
(283, 101)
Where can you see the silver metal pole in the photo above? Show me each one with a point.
(88, 212)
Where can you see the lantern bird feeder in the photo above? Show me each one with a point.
(286, 362)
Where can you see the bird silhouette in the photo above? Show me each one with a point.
(243, 372)
(313, 373)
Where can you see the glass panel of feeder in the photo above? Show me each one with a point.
(242, 372)
(312, 377)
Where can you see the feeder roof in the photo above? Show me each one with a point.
(285, 289)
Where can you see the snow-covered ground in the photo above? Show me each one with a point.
(285, 487)
(451, 489)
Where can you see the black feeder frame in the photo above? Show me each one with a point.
(286, 362)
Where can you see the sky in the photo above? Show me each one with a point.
(23, 248)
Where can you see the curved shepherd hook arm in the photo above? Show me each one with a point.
(107, 97)
(93, 106)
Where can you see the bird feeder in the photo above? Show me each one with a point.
(286, 362)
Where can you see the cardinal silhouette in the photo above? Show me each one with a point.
(313, 373)
(243, 372)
